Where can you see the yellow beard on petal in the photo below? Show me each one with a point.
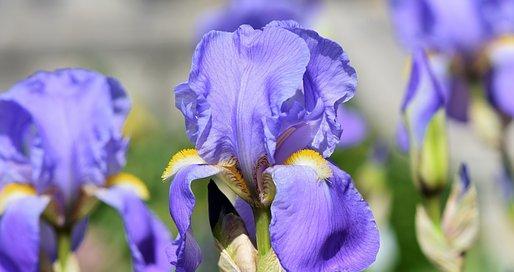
(13, 191)
(312, 159)
(503, 41)
(131, 182)
(180, 160)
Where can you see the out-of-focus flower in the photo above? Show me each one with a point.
(497, 16)
(439, 25)
(423, 130)
(61, 148)
(260, 107)
(463, 31)
(446, 244)
(500, 83)
(258, 13)
(355, 128)
(453, 86)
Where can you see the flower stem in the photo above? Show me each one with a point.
(262, 221)
(64, 248)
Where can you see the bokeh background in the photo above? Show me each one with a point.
(147, 45)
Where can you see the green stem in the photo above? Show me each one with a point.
(433, 208)
(262, 221)
(64, 249)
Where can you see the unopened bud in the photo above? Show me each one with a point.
(237, 250)
(270, 263)
(460, 219)
(434, 244)
(72, 265)
(446, 244)
(432, 166)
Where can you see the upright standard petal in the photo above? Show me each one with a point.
(453, 86)
(238, 80)
(423, 98)
(320, 225)
(186, 255)
(146, 235)
(20, 156)
(309, 119)
(20, 234)
(79, 114)
(498, 16)
(500, 86)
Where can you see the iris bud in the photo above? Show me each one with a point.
(433, 161)
(237, 252)
(446, 243)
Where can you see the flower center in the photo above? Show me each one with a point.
(312, 159)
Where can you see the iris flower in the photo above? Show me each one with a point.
(422, 131)
(461, 33)
(423, 99)
(499, 83)
(260, 106)
(61, 149)
(438, 25)
(452, 33)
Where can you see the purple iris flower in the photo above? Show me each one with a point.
(424, 97)
(61, 149)
(453, 86)
(460, 30)
(258, 13)
(439, 25)
(261, 108)
(499, 80)
(446, 29)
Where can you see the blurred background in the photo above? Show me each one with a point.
(148, 44)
